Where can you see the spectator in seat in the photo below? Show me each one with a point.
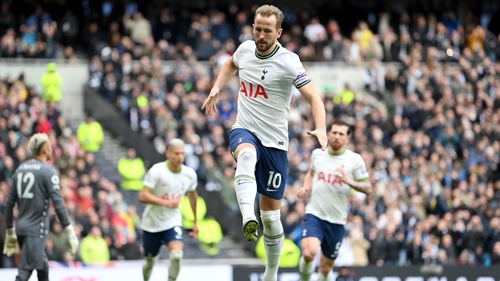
(474, 235)
(140, 28)
(58, 237)
(43, 124)
(132, 169)
(90, 135)
(131, 250)
(113, 249)
(94, 249)
(52, 253)
(210, 235)
(70, 29)
(495, 254)
(360, 246)
(51, 82)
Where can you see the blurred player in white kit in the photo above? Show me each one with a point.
(331, 176)
(164, 186)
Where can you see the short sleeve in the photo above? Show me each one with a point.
(237, 55)
(52, 181)
(313, 158)
(194, 182)
(295, 72)
(149, 180)
(360, 172)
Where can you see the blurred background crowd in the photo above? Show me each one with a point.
(432, 152)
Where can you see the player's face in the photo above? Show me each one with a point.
(176, 155)
(338, 136)
(265, 33)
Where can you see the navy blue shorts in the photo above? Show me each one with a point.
(152, 241)
(272, 164)
(330, 234)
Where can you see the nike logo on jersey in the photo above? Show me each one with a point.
(271, 190)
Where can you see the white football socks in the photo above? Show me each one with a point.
(306, 269)
(175, 264)
(147, 268)
(273, 242)
(322, 277)
(245, 184)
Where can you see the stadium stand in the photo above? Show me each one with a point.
(432, 152)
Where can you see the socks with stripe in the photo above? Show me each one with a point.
(273, 242)
(306, 269)
(245, 184)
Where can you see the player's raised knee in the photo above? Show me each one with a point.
(247, 154)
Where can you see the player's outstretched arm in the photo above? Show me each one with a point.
(227, 71)
(193, 199)
(318, 108)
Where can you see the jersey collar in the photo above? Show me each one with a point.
(173, 172)
(276, 48)
(337, 154)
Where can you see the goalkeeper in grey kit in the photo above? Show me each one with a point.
(35, 185)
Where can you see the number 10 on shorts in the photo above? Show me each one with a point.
(274, 180)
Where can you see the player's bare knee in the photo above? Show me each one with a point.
(176, 255)
(308, 255)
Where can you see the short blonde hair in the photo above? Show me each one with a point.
(269, 10)
(176, 142)
(36, 142)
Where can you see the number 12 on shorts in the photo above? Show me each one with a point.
(274, 180)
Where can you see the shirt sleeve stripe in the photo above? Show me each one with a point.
(363, 179)
(303, 84)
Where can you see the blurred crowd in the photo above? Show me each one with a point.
(54, 29)
(104, 223)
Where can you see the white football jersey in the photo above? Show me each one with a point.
(266, 84)
(330, 195)
(166, 184)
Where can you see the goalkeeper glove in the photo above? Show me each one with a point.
(73, 241)
(10, 246)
